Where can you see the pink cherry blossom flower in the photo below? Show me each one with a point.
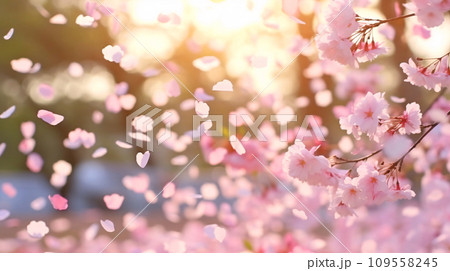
(417, 76)
(302, 165)
(113, 201)
(411, 119)
(344, 24)
(58, 202)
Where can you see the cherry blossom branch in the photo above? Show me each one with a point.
(400, 161)
(381, 21)
(341, 160)
(345, 161)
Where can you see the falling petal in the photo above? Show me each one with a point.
(137, 184)
(142, 158)
(9, 190)
(4, 214)
(2, 148)
(169, 190)
(127, 101)
(22, 65)
(9, 34)
(173, 89)
(91, 232)
(224, 85)
(75, 69)
(213, 231)
(123, 145)
(84, 21)
(179, 160)
(38, 204)
(300, 214)
(113, 53)
(27, 129)
(62, 167)
(113, 201)
(201, 109)
(6, 114)
(58, 202)
(237, 145)
(100, 152)
(50, 117)
(107, 225)
(34, 162)
(206, 63)
(37, 229)
(58, 19)
(47, 92)
(209, 191)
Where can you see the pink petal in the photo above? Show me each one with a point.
(300, 214)
(107, 225)
(113, 53)
(173, 89)
(50, 117)
(201, 109)
(62, 167)
(58, 19)
(91, 232)
(297, 20)
(163, 18)
(58, 202)
(4, 214)
(97, 117)
(84, 21)
(100, 152)
(179, 160)
(217, 156)
(206, 63)
(2, 148)
(112, 104)
(27, 128)
(47, 92)
(123, 145)
(224, 85)
(213, 231)
(290, 7)
(75, 69)
(209, 191)
(202, 96)
(137, 184)
(34, 162)
(142, 158)
(37, 229)
(58, 180)
(121, 88)
(113, 201)
(127, 101)
(421, 31)
(237, 145)
(169, 190)
(27, 145)
(397, 100)
(9, 34)
(38, 204)
(9, 190)
(6, 114)
(22, 65)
